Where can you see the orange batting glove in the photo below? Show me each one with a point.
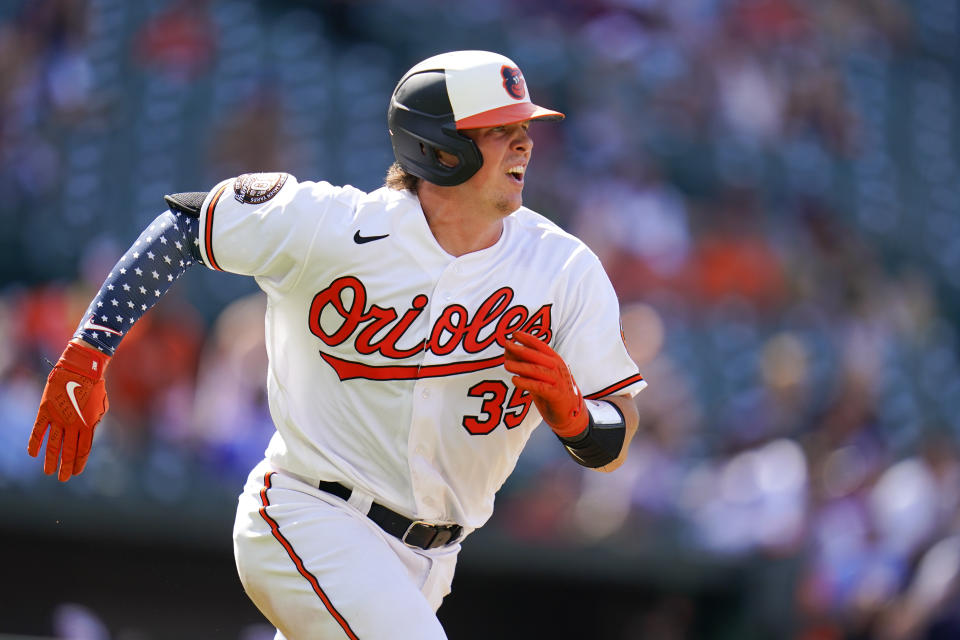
(545, 376)
(73, 402)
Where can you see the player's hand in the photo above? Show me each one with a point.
(545, 376)
(73, 402)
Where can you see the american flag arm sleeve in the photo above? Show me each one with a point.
(161, 254)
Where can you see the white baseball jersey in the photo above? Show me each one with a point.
(386, 353)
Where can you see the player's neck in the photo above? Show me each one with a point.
(460, 229)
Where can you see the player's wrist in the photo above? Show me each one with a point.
(601, 441)
(576, 424)
(83, 359)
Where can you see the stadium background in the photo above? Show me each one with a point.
(771, 184)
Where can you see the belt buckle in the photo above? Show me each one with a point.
(450, 534)
(434, 535)
(430, 533)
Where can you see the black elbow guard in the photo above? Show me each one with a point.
(187, 203)
(601, 443)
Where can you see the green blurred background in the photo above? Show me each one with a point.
(772, 186)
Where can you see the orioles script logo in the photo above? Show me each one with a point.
(377, 329)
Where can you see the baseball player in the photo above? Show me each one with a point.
(416, 336)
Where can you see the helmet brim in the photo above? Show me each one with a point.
(509, 114)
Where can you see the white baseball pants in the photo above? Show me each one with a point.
(318, 568)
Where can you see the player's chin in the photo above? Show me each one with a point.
(509, 204)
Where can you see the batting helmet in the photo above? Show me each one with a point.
(447, 93)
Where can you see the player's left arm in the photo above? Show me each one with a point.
(631, 420)
(595, 432)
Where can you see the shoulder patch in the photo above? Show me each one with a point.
(257, 188)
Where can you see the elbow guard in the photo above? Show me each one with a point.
(602, 441)
(187, 203)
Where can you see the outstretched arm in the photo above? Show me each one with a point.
(75, 397)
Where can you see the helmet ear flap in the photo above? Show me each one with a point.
(421, 123)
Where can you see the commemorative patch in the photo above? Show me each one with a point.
(257, 188)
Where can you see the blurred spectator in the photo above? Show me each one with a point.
(928, 606)
(59, 29)
(248, 139)
(637, 225)
(179, 41)
(152, 377)
(232, 424)
(735, 259)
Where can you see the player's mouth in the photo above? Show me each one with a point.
(516, 173)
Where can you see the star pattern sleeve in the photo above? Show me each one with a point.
(162, 253)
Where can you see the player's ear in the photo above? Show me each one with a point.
(447, 159)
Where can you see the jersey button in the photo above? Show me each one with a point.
(425, 393)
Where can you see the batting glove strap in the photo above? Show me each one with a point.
(84, 361)
(601, 442)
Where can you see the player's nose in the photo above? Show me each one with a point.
(522, 141)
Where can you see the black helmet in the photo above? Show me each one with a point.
(446, 93)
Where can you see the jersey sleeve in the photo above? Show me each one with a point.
(590, 339)
(262, 224)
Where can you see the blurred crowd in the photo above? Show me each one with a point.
(771, 185)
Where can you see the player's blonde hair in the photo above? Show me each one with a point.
(400, 179)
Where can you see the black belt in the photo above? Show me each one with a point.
(414, 533)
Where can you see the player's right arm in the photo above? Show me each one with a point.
(260, 225)
(75, 398)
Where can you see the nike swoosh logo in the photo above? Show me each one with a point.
(71, 389)
(90, 324)
(359, 239)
